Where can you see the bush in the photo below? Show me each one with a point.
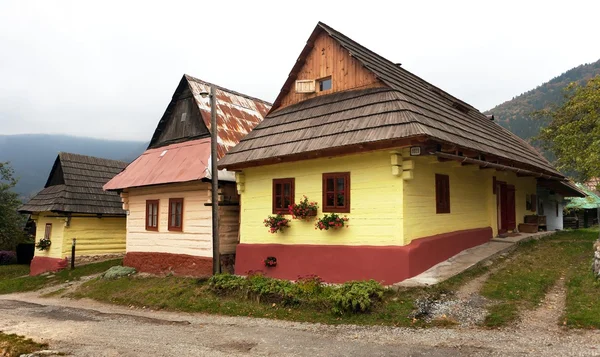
(356, 296)
(7, 257)
(352, 297)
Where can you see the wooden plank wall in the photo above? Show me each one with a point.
(229, 228)
(328, 58)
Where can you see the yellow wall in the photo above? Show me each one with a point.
(472, 201)
(196, 236)
(385, 209)
(375, 201)
(56, 236)
(95, 235)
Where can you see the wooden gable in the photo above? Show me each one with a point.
(325, 58)
(181, 121)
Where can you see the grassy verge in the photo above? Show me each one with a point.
(13, 345)
(13, 271)
(583, 289)
(522, 283)
(15, 282)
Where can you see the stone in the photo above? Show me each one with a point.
(43, 353)
(117, 272)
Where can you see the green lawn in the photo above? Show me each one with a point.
(12, 279)
(14, 345)
(523, 282)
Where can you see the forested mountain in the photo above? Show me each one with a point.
(515, 114)
(32, 155)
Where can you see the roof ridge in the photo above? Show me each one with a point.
(62, 153)
(189, 77)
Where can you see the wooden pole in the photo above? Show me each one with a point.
(214, 182)
(73, 253)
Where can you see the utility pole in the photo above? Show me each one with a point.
(214, 173)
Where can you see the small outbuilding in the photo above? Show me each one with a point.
(73, 205)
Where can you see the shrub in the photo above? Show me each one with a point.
(227, 282)
(356, 296)
(331, 221)
(309, 285)
(304, 209)
(276, 223)
(7, 257)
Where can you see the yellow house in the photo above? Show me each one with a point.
(412, 174)
(166, 191)
(73, 206)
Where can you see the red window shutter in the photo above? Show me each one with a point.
(533, 203)
(442, 193)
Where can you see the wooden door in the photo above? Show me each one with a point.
(511, 219)
(501, 201)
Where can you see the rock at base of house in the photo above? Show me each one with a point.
(596, 263)
(117, 272)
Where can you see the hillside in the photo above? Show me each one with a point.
(32, 155)
(515, 114)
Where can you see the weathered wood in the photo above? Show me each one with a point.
(329, 59)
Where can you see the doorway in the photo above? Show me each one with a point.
(505, 207)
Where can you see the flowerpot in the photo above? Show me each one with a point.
(312, 213)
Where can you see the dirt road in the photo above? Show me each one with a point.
(87, 328)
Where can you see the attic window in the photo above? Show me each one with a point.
(324, 84)
(460, 107)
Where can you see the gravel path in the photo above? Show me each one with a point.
(89, 328)
(547, 315)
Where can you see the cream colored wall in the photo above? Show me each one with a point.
(95, 235)
(196, 236)
(472, 201)
(376, 201)
(56, 236)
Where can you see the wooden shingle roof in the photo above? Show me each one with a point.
(75, 186)
(407, 107)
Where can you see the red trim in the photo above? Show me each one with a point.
(149, 203)
(335, 208)
(283, 209)
(171, 227)
(41, 265)
(164, 263)
(340, 263)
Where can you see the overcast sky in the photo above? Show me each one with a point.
(108, 69)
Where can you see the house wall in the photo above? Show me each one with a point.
(548, 202)
(56, 235)
(328, 58)
(188, 252)
(394, 231)
(195, 237)
(95, 236)
(472, 201)
(375, 217)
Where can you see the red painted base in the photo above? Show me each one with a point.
(41, 265)
(165, 263)
(339, 263)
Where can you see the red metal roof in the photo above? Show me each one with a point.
(181, 162)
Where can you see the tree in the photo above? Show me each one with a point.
(574, 137)
(573, 133)
(11, 222)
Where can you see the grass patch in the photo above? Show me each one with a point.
(29, 283)
(191, 295)
(14, 345)
(583, 289)
(13, 271)
(523, 282)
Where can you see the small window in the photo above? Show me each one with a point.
(283, 195)
(48, 231)
(336, 192)
(175, 214)
(442, 193)
(152, 215)
(324, 84)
